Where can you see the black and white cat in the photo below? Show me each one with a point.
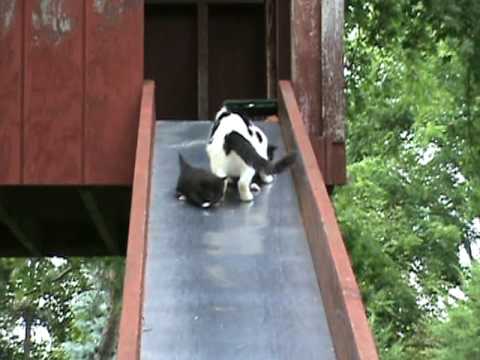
(237, 148)
(199, 186)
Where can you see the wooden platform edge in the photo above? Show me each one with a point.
(351, 334)
(131, 317)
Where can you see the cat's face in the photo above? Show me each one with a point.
(198, 186)
(211, 191)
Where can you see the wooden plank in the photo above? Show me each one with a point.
(283, 23)
(53, 86)
(202, 23)
(237, 61)
(271, 47)
(336, 162)
(131, 318)
(342, 299)
(317, 60)
(114, 75)
(306, 57)
(171, 59)
(333, 83)
(11, 90)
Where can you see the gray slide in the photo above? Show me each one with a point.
(233, 282)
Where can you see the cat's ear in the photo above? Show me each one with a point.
(181, 160)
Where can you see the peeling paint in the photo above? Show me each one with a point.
(114, 9)
(100, 6)
(306, 61)
(7, 12)
(52, 19)
(332, 68)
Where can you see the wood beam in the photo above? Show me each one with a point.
(105, 229)
(284, 41)
(283, 49)
(333, 86)
(333, 83)
(271, 46)
(131, 319)
(202, 23)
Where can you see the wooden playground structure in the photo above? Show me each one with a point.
(83, 85)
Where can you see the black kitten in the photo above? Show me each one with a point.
(198, 186)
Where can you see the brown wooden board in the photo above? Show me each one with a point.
(237, 57)
(333, 86)
(11, 90)
(131, 322)
(306, 57)
(271, 47)
(283, 38)
(332, 69)
(202, 24)
(171, 58)
(114, 75)
(53, 91)
(71, 80)
(342, 299)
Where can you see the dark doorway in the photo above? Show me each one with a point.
(171, 58)
(200, 54)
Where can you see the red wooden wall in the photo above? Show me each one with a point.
(71, 73)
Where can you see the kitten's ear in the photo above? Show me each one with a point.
(181, 160)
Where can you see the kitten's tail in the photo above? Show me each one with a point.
(245, 150)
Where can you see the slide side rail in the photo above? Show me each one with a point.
(351, 335)
(131, 317)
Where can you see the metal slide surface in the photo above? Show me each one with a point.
(235, 282)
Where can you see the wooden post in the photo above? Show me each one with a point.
(270, 44)
(317, 75)
(306, 62)
(333, 84)
(202, 60)
(283, 50)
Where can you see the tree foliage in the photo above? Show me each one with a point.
(413, 90)
(58, 309)
(457, 336)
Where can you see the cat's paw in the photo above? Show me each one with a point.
(254, 187)
(206, 205)
(267, 178)
(246, 196)
(181, 197)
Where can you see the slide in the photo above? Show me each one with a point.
(233, 282)
(263, 280)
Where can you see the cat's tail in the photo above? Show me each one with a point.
(236, 142)
(282, 164)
